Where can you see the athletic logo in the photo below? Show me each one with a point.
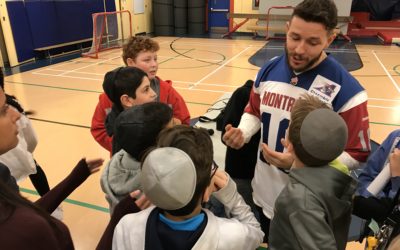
(327, 89)
(324, 89)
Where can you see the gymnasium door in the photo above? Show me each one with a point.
(217, 16)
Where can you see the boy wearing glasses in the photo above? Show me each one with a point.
(177, 177)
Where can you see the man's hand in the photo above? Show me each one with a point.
(394, 159)
(233, 137)
(278, 159)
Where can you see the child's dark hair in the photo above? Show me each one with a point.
(12, 100)
(301, 109)
(137, 128)
(319, 11)
(122, 81)
(195, 142)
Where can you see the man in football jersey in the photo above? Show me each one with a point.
(304, 68)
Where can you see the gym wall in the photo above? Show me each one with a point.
(40, 23)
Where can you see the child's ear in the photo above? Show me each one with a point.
(289, 146)
(126, 101)
(130, 62)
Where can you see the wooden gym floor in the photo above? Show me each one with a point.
(64, 96)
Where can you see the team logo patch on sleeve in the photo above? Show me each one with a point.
(327, 89)
(324, 89)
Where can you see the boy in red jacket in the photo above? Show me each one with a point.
(140, 52)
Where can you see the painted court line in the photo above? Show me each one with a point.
(100, 80)
(52, 66)
(220, 67)
(201, 90)
(79, 60)
(218, 45)
(383, 99)
(87, 66)
(92, 91)
(175, 57)
(382, 51)
(59, 123)
(80, 72)
(71, 201)
(75, 77)
(54, 87)
(184, 58)
(385, 124)
(386, 71)
(384, 107)
(208, 84)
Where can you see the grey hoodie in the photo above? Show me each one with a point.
(120, 177)
(313, 211)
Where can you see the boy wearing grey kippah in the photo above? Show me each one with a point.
(177, 177)
(313, 211)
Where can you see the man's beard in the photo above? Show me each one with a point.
(307, 66)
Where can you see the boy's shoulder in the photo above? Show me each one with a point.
(103, 99)
(294, 193)
(165, 83)
(133, 219)
(297, 198)
(274, 67)
(166, 89)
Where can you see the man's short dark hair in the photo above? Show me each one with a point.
(318, 11)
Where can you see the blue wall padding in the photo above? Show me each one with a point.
(90, 7)
(42, 23)
(70, 20)
(21, 30)
(110, 5)
(42, 18)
